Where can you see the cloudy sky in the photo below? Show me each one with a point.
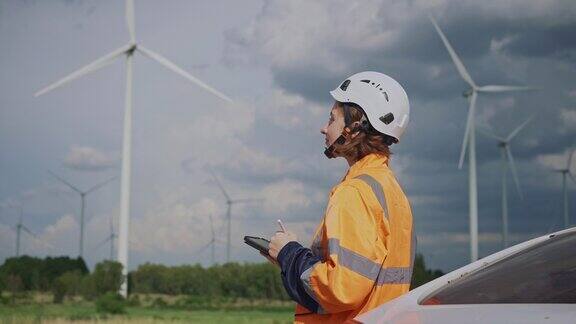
(278, 60)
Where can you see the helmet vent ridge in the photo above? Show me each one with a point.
(377, 86)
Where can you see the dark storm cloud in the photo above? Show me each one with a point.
(499, 43)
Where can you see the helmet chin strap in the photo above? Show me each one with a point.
(362, 126)
(329, 151)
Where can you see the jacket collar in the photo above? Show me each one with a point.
(372, 160)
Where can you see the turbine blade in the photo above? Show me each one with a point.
(514, 173)
(247, 200)
(100, 185)
(572, 177)
(130, 20)
(103, 242)
(459, 65)
(490, 134)
(570, 160)
(65, 182)
(211, 226)
(94, 66)
(504, 88)
(202, 248)
(27, 230)
(174, 68)
(518, 129)
(219, 185)
(469, 121)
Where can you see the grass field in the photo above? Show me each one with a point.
(36, 310)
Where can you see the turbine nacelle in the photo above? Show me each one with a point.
(467, 93)
(132, 49)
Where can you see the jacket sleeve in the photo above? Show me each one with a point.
(344, 277)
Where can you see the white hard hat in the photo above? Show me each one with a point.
(383, 100)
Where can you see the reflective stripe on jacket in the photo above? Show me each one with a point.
(363, 250)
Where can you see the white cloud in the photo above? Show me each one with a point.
(254, 162)
(62, 233)
(293, 34)
(284, 195)
(175, 226)
(568, 118)
(290, 111)
(488, 113)
(496, 45)
(86, 158)
(555, 161)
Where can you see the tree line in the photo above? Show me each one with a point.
(64, 276)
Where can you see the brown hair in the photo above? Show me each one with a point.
(368, 140)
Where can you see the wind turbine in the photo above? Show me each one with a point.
(211, 243)
(229, 203)
(20, 227)
(128, 51)
(504, 145)
(470, 135)
(566, 172)
(110, 239)
(83, 195)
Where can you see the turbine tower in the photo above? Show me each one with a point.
(229, 203)
(110, 239)
(20, 227)
(566, 172)
(128, 51)
(470, 135)
(83, 195)
(507, 159)
(213, 240)
(211, 243)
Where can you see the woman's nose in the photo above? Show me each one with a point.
(324, 129)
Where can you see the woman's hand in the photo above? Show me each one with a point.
(278, 241)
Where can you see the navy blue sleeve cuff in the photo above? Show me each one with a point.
(286, 252)
(294, 259)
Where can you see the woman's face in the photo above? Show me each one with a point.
(333, 128)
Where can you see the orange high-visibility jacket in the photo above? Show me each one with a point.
(363, 250)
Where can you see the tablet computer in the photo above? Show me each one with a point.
(258, 243)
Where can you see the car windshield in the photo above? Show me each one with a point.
(545, 273)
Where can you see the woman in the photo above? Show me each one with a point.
(363, 250)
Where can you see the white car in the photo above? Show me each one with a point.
(532, 282)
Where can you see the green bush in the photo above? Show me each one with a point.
(111, 303)
(107, 277)
(4, 300)
(134, 301)
(421, 274)
(59, 291)
(39, 274)
(68, 284)
(159, 303)
(88, 288)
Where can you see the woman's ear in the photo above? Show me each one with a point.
(356, 129)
